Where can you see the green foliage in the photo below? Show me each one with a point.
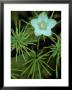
(55, 51)
(33, 67)
(36, 64)
(20, 39)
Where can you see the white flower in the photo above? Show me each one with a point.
(43, 25)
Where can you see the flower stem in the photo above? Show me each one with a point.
(25, 21)
(58, 22)
(44, 38)
(37, 48)
(52, 14)
(36, 13)
(38, 45)
(57, 62)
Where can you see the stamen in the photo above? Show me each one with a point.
(42, 25)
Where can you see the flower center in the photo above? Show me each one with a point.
(42, 25)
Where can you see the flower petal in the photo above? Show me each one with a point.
(43, 17)
(37, 32)
(34, 23)
(47, 32)
(51, 23)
